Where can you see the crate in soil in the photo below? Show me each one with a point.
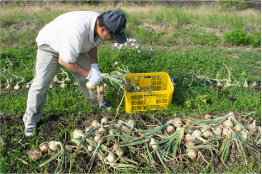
(148, 91)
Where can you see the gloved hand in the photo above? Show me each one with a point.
(94, 78)
(95, 66)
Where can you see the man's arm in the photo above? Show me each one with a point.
(93, 55)
(74, 67)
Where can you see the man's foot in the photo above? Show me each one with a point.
(30, 129)
(105, 105)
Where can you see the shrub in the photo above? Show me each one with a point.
(231, 5)
(239, 37)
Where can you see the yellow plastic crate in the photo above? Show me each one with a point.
(154, 93)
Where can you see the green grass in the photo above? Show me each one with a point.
(182, 47)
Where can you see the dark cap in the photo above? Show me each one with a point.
(115, 21)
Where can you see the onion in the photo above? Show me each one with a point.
(8, 86)
(179, 128)
(189, 137)
(78, 134)
(153, 143)
(228, 123)
(131, 123)
(16, 87)
(87, 129)
(192, 153)
(44, 147)
(95, 123)
(90, 85)
(101, 130)
(125, 129)
(177, 122)
(207, 134)
(170, 129)
(111, 157)
(252, 127)
(68, 79)
(97, 137)
(104, 120)
(51, 86)
(237, 128)
(189, 144)
(245, 84)
(54, 145)
(244, 134)
(226, 131)
(63, 85)
(55, 79)
(217, 130)
(90, 148)
(34, 154)
(119, 151)
(197, 134)
(207, 117)
(27, 85)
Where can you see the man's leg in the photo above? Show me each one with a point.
(91, 95)
(47, 67)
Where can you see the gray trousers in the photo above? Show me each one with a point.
(47, 67)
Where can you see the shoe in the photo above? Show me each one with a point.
(30, 129)
(105, 105)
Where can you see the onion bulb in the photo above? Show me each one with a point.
(207, 134)
(244, 135)
(192, 153)
(44, 147)
(16, 87)
(99, 139)
(226, 131)
(77, 134)
(63, 85)
(170, 129)
(8, 86)
(55, 79)
(131, 123)
(197, 134)
(101, 130)
(252, 127)
(189, 144)
(54, 145)
(111, 157)
(177, 122)
(90, 85)
(68, 79)
(238, 128)
(90, 148)
(27, 85)
(124, 129)
(259, 129)
(95, 123)
(245, 84)
(189, 137)
(104, 120)
(217, 130)
(119, 151)
(207, 117)
(228, 123)
(153, 143)
(34, 154)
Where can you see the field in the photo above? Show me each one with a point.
(193, 44)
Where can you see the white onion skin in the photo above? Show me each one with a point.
(111, 157)
(192, 153)
(207, 117)
(218, 130)
(170, 129)
(228, 123)
(54, 145)
(44, 147)
(104, 121)
(177, 122)
(238, 128)
(34, 154)
(189, 137)
(95, 124)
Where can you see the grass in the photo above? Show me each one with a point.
(186, 42)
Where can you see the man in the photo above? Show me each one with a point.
(71, 41)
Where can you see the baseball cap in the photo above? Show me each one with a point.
(115, 22)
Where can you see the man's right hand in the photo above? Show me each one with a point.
(94, 77)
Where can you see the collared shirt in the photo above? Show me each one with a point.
(70, 34)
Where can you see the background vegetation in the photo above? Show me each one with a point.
(184, 41)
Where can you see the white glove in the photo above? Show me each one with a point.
(95, 66)
(94, 77)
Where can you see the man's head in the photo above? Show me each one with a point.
(111, 25)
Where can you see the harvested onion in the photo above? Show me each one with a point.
(192, 153)
(78, 134)
(197, 134)
(44, 147)
(54, 145)
(111, 157)
(207, 117)
(228, 123)
(34, 154)
(153, 143)
(104, 121)
(237, 128)
(95, 123)
(177, 122)
(170, 129)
